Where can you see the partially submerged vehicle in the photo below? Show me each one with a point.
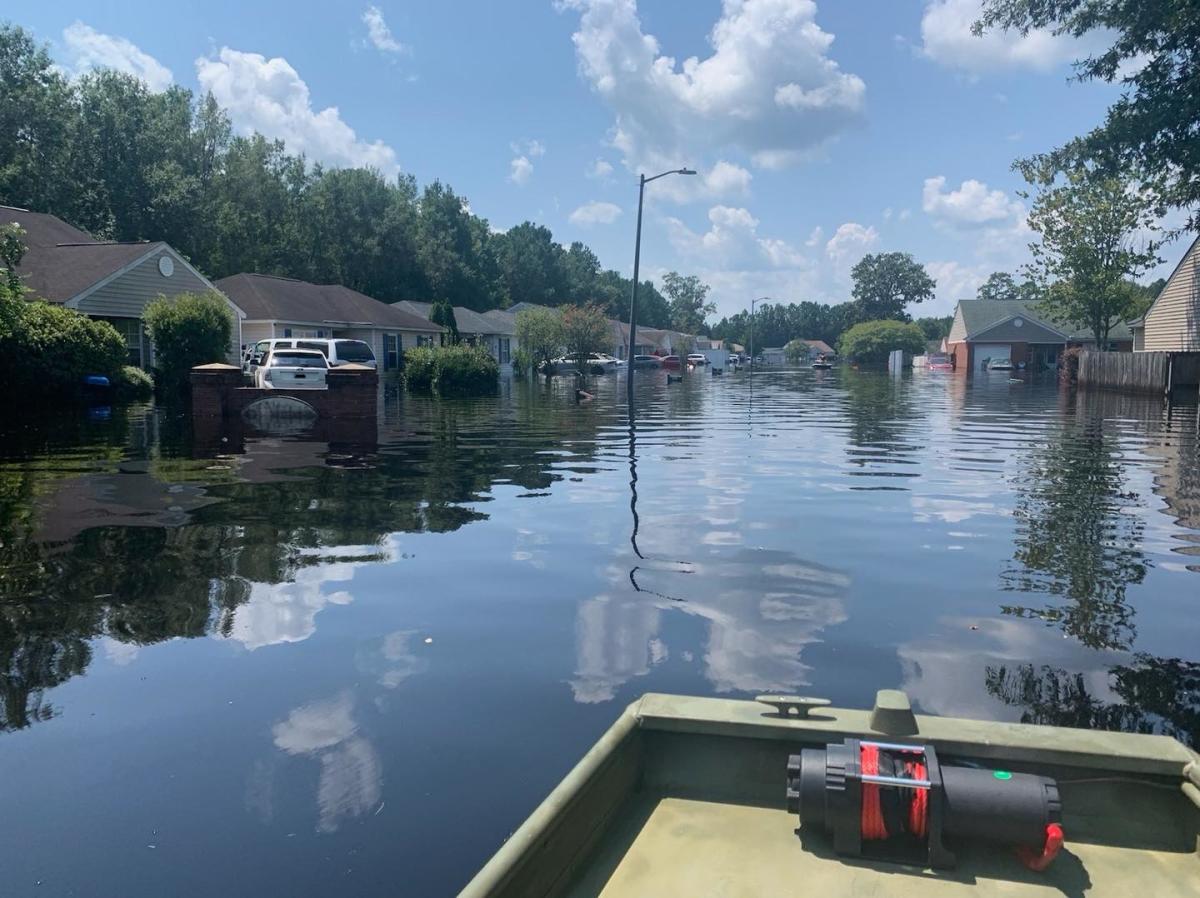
(1001, 365)
(292, 369)
(699, 797)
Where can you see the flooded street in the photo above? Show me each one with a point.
(250, 664)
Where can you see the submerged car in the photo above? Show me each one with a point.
(697, 358)
(292, 369)
(1001, 365)
(646, 361)
(671, 361)
(593, 363)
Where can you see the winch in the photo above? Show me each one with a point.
(898, 802)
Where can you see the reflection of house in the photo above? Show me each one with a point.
(987, 330)
(495, 331)
(282, 307)
(1173, 322)
(110, 281)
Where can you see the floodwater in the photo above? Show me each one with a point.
(295, 663)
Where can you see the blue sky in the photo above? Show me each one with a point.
(821, 130)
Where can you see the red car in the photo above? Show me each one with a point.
(940, 363)
(671, 362)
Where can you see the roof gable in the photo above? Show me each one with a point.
(981, 315)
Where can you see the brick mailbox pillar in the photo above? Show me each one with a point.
(212, 386)
(353, 392)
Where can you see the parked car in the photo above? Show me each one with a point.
(292, 369)
(1001, 365)
(671, 362)
(939, 362)
(595, 363)
(339, 351)
(697, 358)
(646, 361)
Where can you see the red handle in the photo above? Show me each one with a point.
(1039, 862)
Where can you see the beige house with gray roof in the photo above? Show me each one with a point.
(1173, 322)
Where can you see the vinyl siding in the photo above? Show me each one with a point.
(1173, 322)
(253, 331)
(958, 329)
(1008, 332)
(127, 295)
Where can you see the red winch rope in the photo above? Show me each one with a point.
(872, 813)
(872, 823)
(1039, 862)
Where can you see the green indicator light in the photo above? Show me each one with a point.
(1002, 774)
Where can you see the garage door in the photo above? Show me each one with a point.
(990, 352)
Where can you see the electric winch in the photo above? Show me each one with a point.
(898, 802)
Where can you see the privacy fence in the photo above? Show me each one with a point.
(1140, 372)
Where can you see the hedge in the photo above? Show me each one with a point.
(47, 350)
(451, 370)
(188, 330)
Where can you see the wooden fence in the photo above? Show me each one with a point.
(1132, 372)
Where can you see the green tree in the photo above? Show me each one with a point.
(884, 283)
(1089, 249)
(870, 342)
(687, 297)
(935, 328)
(12, 288)
(1153, 51)
(1000, 285)
(443, 313)
(585, 330)
(188, 330)
(531, 264)
(797, 351)
(540, 334)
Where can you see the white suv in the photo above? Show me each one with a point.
(338, 351)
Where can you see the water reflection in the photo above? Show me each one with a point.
(351, 779)
(1078, 536)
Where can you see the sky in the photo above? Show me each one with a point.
(820, 131)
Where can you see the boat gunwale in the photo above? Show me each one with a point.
(1146, 754)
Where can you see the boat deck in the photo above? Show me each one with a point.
(666, 846)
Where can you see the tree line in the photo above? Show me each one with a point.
(125, 163)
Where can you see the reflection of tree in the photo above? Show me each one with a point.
(1077, 538)
(881, 415)
(1156, 695)
(173, 546)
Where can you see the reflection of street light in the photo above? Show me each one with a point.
(637, 258)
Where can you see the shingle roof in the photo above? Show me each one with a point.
(265, 297)
(61, 261)
(467, 320)
(981, 314)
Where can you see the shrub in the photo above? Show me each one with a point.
(540, 333)
(584, 330)
(522, 363)
(870, 342)
(188, 330)
(451, 370)
(133, 383)
(49, 350)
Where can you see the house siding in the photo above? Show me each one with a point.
(127, 295)
(958, 329)
(1173, 322)
(1008, 332)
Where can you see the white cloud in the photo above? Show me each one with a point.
(849, 243)
(534, 148)
(269, 96)
(89, 49)
(379, 34)
(520, 170)
(599, 169)
(732, 240)
(955, 281)
(595, 212)
(815, 237)
(946, 38)
(973, 204)
(768, 88)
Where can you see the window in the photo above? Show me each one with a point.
(424, 340)
(322, 348)
(130, 330)
(287, 332)
(391, 352)
(505, 350)
(298, 360)
(354, 351)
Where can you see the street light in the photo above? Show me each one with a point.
(637, 258)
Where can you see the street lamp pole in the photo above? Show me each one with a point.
(637, 259)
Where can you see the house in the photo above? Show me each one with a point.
(283, 307)
(773, 356)
(1172, 323)
(985, 330)
(819, 347)
(495, 331)
(112, 282)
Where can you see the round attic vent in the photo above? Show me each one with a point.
(166, 266)
(1017, 322)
